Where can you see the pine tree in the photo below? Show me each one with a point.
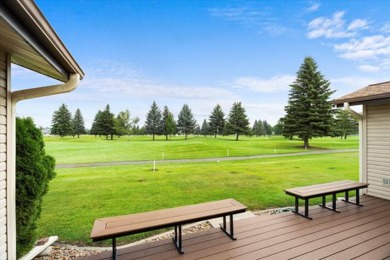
(309, 112)
(107, 123)
(78, 124)
(267, 128)
(186, 122)
(237, 122)
(205, 130)
(168, 123)
(96, 128)
(217, 120)
(62, 122)
(258, 128)
(153, 120)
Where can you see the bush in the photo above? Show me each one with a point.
(34, 170)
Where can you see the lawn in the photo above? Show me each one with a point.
(78, 196)
(95, 149)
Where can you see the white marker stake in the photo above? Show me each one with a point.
(154, 166)
(163, 156)
(227, 153)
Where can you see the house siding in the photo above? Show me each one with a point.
(378, 150)
(3, 157)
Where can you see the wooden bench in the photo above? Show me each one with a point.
(113, 227)
(322, 190)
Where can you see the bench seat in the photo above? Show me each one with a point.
(113, 227)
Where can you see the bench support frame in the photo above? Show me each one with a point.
(178, 241)
(323, 205)
(229, 233)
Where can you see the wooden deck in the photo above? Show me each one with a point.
(355, 233)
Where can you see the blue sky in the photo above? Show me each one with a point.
(206, 52)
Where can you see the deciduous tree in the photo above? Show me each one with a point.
(345, 124)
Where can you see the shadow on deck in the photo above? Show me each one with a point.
(356, 232)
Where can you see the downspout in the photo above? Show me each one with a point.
(11, 143)
(46, 91)
(362, 155)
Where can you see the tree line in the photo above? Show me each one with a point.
(309, 113)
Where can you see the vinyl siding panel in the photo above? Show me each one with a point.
(3, 152)
(378, 149)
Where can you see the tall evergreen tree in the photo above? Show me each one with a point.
(107, 123)
(168, 123)
(267, 128)
(186, 122)
(309, 112)
(96, 128)
(217, 120)
(205, 130)
(258, 128)
(153, 120)
(237, 122)
(78, 124)
(61, 123)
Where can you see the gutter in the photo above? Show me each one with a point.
(72, 83)
(355, 114)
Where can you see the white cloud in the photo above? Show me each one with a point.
(257, 84)
(368, 68)
(369, 47)
(335, 27)
(314, 6)
(124, 81)
(265, 111)
(385, 28)
(261, 18)
(357, 24)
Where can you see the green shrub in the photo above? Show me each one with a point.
(34, 170)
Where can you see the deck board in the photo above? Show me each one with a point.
(356, 232)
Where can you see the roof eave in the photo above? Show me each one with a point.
(28, 20)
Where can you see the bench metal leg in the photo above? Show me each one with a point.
(334, 205)
(114, 248)
(296, 210)
(346, 199)
(231, 231)
(177, 239)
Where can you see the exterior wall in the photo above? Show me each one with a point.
(377, 142)
(4, 66)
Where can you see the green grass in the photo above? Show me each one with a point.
(78, 196)
(90, 149)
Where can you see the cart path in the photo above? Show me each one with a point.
(218, 159)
